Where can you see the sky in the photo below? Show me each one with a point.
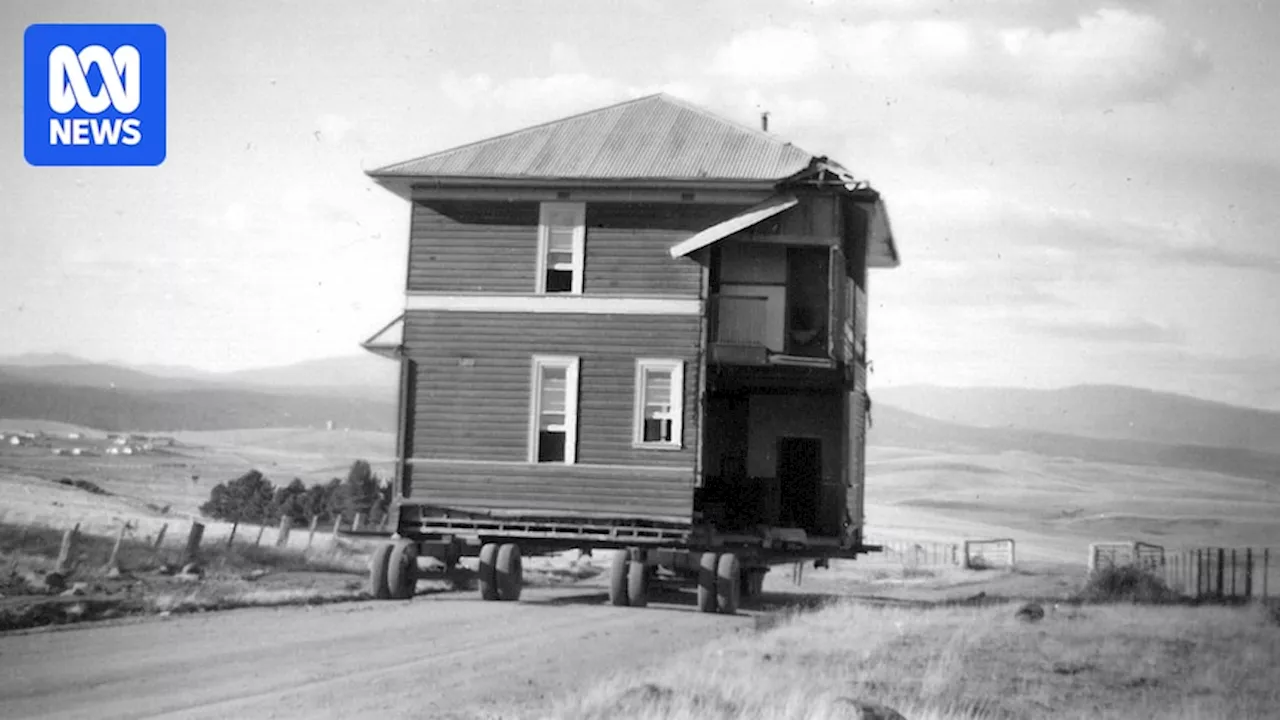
(1082, 191)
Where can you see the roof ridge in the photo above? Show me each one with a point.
(694, 107)
(519, 131)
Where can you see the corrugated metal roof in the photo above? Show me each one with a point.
(656, 137)
(745, 219)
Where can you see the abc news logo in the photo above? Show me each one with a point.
(94, 95)
(69, 88)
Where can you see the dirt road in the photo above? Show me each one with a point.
(436, 656)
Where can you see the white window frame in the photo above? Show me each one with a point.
(571, 365)
(676, 368)
(579, 243)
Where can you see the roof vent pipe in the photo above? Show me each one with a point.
(764, 121)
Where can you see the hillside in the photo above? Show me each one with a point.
(355, 376)
(898, 428)
(208, 408)
(1095, 411)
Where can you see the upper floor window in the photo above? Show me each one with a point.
(659, 405)
(561, 247)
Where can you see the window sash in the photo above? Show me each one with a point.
(561, 243)
(554, 405)
(659, 396)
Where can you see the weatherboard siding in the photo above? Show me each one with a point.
(491, 247)
(473, 374)
(555, 490)
(473, 247)
(628, 247)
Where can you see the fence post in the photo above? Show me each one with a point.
(1222, 559)
(193, 542)
(258, 541)
(282, 538)
(66, 549)
(115, 549)
(234, 526)
(1199, 573)
(1266, 568)
(160, 536)
(337, 526)
(1233, 573)
(1248, 573)
(315, 520)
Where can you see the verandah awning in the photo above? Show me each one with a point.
(741, 221)
(389, 341)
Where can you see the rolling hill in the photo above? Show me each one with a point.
(185, 408)
(1095, 411)
(894, 427)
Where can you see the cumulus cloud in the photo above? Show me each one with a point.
(1104, 329)
(1106, 56)
(770, 54)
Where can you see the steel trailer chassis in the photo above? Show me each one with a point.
(724, 567)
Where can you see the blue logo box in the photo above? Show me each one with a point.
(94, 95)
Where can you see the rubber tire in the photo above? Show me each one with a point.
(707, 582)
(487, 573)
(378, 565)
(637, 584)
(402, 570)
(509, 572)
(728, 584)
(618, 576)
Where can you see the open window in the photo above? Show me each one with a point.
(561, 247)
(553, 420)
(659, 406)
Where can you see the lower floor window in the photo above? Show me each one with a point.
(659, 403)
(554, 412)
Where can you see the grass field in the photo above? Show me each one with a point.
(1094, 661)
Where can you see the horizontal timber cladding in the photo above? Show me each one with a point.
(627, 247)
(554, 490)
(473, 247)
(474, 370)
(491, 247)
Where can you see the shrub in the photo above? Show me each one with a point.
(1127, 583)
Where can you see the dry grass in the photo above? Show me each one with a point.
(1094, 661)
(38, 547)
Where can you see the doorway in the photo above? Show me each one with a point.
(800, 481)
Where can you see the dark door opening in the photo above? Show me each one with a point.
(800, 481)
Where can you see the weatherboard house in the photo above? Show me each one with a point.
(643, 320)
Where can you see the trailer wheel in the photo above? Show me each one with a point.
(618, 572)
(509, 572)
(637, 583)
(728, 585)
(488, 571)
(378, 587)
(402, 570)
(707, 582)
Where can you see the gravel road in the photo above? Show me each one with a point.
(436, 656)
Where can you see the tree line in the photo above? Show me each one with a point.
(253, 498)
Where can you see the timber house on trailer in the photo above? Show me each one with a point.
(640, 328)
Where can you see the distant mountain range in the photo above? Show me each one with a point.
(355, 392)
(1100, 423)
(1103, 412)
(358, 376)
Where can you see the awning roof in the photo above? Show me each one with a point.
(389, 341)
(741, 221)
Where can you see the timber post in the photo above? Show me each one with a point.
(192, 551)
(286, 525)
(66, 549)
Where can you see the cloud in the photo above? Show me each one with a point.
(1109, 330)
(551, 95)
(1108, 56)
(770, 54)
